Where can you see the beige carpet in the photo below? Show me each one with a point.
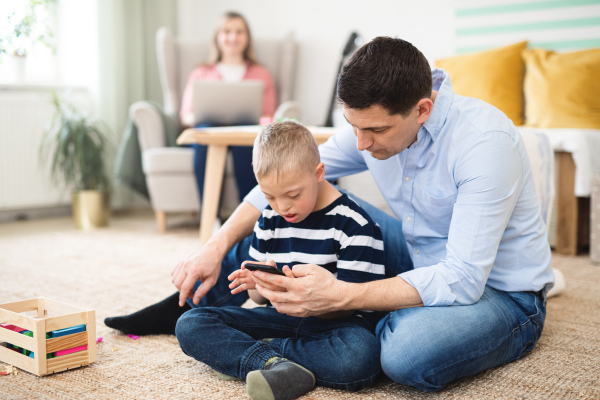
(122, 268)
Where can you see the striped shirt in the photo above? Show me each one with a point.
(340, 237)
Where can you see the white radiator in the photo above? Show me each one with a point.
(24, 182)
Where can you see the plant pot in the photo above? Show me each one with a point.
(91, 209)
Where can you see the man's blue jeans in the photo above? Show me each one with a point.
(341, 353)
(428, 347)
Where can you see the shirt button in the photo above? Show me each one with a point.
(417, 251)
(406, 178)
(407, 219)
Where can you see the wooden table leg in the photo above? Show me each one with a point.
(566, 215)
(213, 181)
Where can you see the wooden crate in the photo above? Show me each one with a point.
(41, 315)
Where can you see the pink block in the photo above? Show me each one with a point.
(13, 328)
(69, 351)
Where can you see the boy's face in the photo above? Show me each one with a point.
(293, 195)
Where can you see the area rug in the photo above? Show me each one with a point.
(120, 269)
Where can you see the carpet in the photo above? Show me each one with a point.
(120, 269)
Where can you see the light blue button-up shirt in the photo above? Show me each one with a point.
(465, 194)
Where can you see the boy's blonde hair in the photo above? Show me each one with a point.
(283, 147)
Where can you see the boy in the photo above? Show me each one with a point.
(308, 221)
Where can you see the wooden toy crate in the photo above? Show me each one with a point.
(42, 315)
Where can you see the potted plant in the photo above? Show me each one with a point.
(75, 145)
(22, 29)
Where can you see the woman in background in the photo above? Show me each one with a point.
(231, 59)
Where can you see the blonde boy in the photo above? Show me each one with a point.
(308, 221)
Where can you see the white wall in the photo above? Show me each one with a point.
(322, 27)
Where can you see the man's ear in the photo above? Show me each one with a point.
(320, 170)
(424, 107)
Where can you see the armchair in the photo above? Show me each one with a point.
(169, 171)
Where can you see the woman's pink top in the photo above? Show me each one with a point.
(210, 72)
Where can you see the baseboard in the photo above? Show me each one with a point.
(34, 213)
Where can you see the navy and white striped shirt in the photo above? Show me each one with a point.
(340, 237)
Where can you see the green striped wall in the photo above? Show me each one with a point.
(560, 25)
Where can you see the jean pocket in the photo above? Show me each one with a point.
(531, 318)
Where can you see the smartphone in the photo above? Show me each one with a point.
(262, 267)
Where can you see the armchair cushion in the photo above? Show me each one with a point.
(168, 160)
(128, 162)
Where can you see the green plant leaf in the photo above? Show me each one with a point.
(76, 146)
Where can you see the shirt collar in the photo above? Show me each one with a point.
(441, 105)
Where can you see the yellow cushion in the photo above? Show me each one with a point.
(494, 76)
(562, 90)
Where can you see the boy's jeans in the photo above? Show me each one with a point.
(428, 347)
(341, 353)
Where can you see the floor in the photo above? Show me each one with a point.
(134, 218)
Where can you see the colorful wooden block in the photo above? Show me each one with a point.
(68, 331)
(69, 351)
(12, 328)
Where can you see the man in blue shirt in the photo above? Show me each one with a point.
(467, 259)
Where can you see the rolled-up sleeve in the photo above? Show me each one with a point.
(489, 178)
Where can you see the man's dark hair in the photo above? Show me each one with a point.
(388, 72)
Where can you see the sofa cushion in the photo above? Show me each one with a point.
(494, 76)
(562, 89)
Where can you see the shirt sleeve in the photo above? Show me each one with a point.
(489, 177)
(188, 93)
(341, 156)
(269, 96)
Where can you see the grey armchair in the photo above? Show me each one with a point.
(169, 171)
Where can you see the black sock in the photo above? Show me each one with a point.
(159, 318)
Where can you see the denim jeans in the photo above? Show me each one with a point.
(341, 353)
(428, 347)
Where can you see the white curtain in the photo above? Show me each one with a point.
(127, 68)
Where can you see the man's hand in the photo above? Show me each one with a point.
(314, 290)
(203, 264)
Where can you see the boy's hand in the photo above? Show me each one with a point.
(243, 280)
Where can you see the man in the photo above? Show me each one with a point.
(468, 261)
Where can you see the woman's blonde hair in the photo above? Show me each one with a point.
(215, 55)
(283, 147)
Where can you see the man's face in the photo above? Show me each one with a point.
(381, 134)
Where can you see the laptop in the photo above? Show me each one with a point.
(227, 103)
